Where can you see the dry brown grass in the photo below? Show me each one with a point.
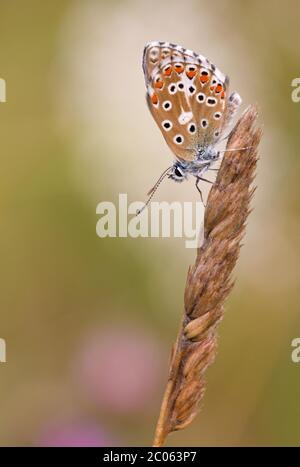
(209, 279)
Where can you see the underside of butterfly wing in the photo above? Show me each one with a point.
(187, 96)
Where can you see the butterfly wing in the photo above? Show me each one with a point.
(186, 95)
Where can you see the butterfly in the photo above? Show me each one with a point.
(188, 98)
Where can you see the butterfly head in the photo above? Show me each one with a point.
(178, 172)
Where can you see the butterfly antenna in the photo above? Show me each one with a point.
(237, 149)
(153, 189)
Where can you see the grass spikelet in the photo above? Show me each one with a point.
(209, 279)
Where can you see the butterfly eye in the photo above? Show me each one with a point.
(167, 105)
(204, 123)
(172, 88)
(178, 139)
(200, 97)
(192, 128)
(167, 125)
(177, 172)
(217, 115)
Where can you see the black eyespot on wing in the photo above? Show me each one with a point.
(167, 125)
(200, 97)
(178, 139)
(167, 105)
(192, 128)
(211, 101)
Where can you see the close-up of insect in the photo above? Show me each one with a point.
(188, 98)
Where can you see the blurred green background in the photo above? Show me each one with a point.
(89, 322)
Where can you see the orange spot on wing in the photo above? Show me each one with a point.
(212, 88)
(159, 84)
(223, 95)
(191, 73)
(179, 68)
(167, 71)
(219, 88)
(154, 98)
(204, 78)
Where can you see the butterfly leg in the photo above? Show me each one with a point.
(197, 186)
(205, 180)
